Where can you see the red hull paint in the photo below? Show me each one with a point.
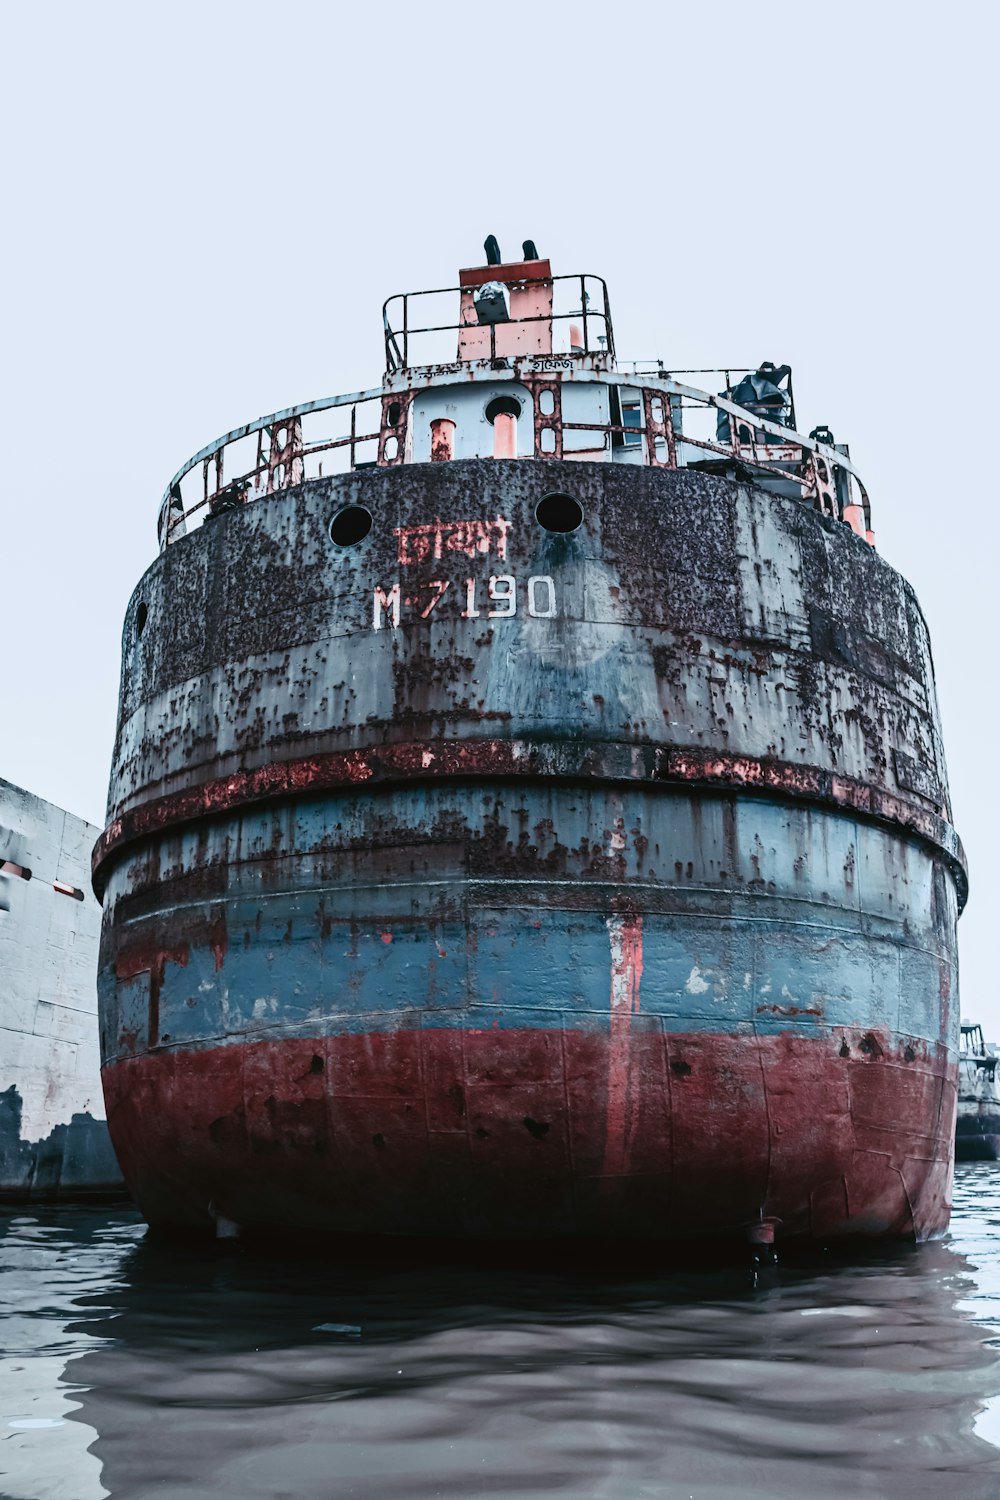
(528, 1133)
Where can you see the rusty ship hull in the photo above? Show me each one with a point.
(486, 879)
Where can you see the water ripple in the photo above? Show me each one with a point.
(133, 1370)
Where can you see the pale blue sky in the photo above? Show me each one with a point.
(207, 204)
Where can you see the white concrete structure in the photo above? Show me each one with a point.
(53, 1132)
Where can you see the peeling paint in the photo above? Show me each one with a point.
(567, 852)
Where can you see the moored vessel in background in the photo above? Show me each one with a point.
(528, 814)
(977, 1126)
(54, 1141)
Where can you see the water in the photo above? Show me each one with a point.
(133, 1369)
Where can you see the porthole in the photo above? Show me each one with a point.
(559, 513)
(391, 449)
(393, 413)
(350, 525)
(503, 406)
(141, 616)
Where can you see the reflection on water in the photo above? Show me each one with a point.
(150, 1370)
(45, 1266)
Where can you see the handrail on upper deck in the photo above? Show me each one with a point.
(397, 359)
(774, 449)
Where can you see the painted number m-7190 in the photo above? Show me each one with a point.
(500, 601)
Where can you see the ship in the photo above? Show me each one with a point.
(977, 1127)
(528, 817)
(54, 1141)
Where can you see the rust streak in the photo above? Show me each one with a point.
(623, 1104)
(493, 757)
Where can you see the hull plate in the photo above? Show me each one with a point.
(540, 1133)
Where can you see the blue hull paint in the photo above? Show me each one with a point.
(836, 945)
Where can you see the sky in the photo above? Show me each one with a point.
(207, 204)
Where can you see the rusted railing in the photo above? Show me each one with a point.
(588, 327)
(678, 426)
(282, 453)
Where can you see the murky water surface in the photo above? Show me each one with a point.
(134, 1369)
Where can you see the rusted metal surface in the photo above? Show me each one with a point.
(284, 463)
(392, 437)
(759, 626)
(659, 428)
(547, 413)
(530, 1131)
(442, 440)
(529, 330)
(498, 879)
(484, 758)
(818, 473)
(531, 324)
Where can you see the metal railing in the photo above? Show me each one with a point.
(593, 323)
(730, 378)
(679, 427)
(285, 448)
